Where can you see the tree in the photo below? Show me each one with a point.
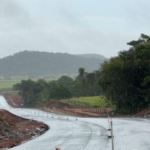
(81, 71)
(58, 91)
(25, 90)
(123, 76)
(65, 81)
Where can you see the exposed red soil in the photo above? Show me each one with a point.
(68, 109)
(58, 107)
(144, 113)
(24, 129)
(57, 104)
(13, 100)
(74, 112)
(13, 129)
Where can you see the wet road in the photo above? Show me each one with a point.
(84, 133)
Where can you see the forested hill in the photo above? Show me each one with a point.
(40, 63)
(93, 56)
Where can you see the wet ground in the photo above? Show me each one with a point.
(85, 133)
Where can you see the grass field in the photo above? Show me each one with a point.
(94, 101)
(7, 84)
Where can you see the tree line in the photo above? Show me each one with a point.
(125, 79)
(35, 93)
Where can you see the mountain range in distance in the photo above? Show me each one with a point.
(35, 63)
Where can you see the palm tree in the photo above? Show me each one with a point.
(81, 71)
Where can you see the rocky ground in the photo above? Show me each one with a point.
(15, 130)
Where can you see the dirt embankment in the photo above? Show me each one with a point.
(68, 109)
(15, 130)
(144, 113)
(13, 100)
(58, 107)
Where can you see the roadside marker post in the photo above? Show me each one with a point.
(76, 117)
(110, 126)
(76, 114)
(112, 136)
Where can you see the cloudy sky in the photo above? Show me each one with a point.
(72, 26)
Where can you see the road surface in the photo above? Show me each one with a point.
(85, 133)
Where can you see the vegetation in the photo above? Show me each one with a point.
(7, 84)
(38, 92)
(6, 87)
(125, 79)
(94, 101)
(34, 63)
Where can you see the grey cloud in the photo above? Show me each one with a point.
(139, 13)
(21, 32)
(70, 40)
(8, 9)
(13, 16)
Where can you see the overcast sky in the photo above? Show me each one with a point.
(72, 26)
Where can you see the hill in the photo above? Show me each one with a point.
(93, 56)
(40, 63)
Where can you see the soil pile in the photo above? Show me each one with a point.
(14, 130)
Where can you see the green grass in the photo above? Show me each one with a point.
(95, 101)
(8, 92)
(47, 77)
(7, 84)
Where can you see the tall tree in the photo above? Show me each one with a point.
(123, 76)
(81, 71)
